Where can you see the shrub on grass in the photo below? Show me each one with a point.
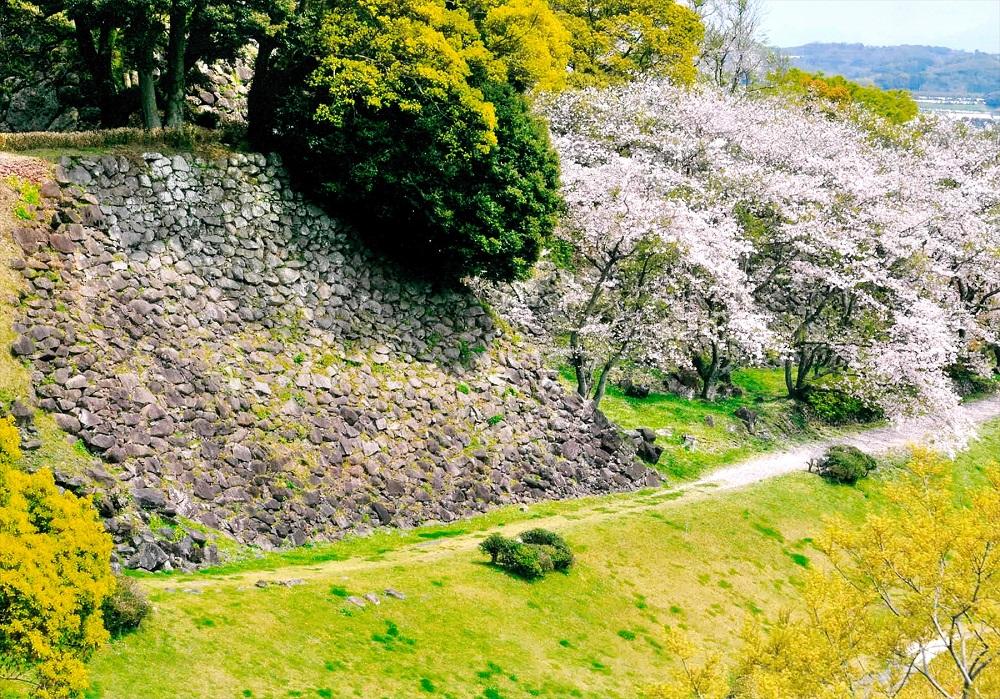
(555, 546)
(125, 608)
(497, 547)
(834, 407)
(534, 554)
(843, 464)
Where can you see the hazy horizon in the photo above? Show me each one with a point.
(967, 25)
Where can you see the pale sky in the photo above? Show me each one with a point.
(959, 24)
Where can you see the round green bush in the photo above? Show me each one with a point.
(125, 608)
(844, 464)
(554, 546)
(538, 552)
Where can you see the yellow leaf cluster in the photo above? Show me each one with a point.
(619, 40)
(403, 54)
(54, 573)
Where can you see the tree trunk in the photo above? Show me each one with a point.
(98, 57)
(708, 371)
(582, 374)
(176, 50)
(789, 384)
(996, 357)
(147, 99)
(602, 382)
(260, 100)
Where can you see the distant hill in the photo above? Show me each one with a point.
(930, 70)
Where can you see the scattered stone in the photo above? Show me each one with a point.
(390, 592)
(356, 601)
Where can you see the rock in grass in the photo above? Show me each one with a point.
(22, 346)
(356, 601)
(390, 592)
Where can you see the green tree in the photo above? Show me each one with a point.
(896, 106)
(401, 119)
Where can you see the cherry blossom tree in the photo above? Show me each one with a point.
(708, 230)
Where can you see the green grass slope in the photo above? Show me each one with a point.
(645, 562)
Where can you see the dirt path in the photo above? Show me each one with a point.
(875, 441)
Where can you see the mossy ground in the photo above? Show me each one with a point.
(645, 562)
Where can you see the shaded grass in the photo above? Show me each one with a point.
(466, 630)
(51, 144)
(724, 441)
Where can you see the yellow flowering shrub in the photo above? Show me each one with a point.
(54, 572)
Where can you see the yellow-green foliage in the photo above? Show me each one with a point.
(54, 573)
(384, 54)
(530, 40)
(28, 197)
(896, 106)
(618, 40)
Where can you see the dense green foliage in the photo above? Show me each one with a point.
(158, 41)
(835, 407)
(533, 554)
(897, 106)
(925, 69)
(843, 463)
(416, 139)
(125, 608)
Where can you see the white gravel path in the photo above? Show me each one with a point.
(876, 441)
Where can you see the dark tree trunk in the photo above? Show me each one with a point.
(582, 374)
(260, 100)
(996, 357)
(176, 66)
(147, 99)
(97, 53)
(708, 370)
(790, 384)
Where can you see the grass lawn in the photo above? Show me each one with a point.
(644, 562)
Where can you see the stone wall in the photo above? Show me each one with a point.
(240, 362)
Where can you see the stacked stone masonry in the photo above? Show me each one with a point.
(240, 362)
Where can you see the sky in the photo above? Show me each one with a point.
(969, 25)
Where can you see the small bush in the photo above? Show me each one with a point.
(844, 464)
(834, 407)
(538, 552)
(125, 608)
(496, 546)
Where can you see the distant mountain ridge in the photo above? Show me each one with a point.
(921, 69)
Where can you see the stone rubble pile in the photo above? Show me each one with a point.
(243, 366)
